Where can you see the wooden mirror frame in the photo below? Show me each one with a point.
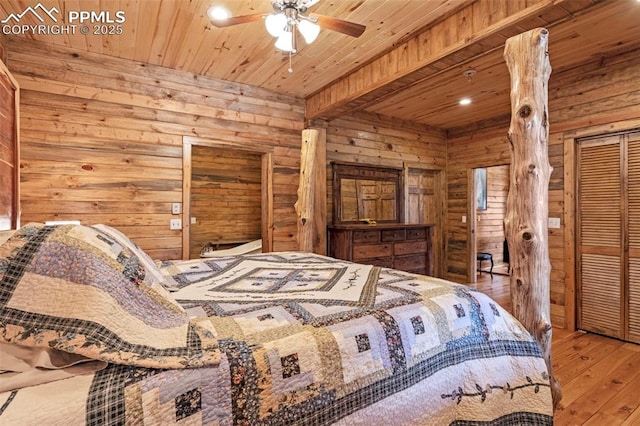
(359, 171)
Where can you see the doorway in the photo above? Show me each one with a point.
(488, 209)
(227, 197)
(425, 204)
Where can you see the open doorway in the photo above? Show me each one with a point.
(489, 207)
(227, 198)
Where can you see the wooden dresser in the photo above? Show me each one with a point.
(406, 247)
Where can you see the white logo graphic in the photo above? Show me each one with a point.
(33, 11)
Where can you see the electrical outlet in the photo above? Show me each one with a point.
(175, 208)
(175, 224)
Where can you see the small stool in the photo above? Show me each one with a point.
(482, 257)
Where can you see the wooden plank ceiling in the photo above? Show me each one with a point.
(429, 42)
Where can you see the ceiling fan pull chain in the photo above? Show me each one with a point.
(290, 66)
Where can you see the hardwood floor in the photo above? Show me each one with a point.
(600, 376)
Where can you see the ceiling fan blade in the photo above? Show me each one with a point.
(345, 27)
(310, 3)
(235, 20)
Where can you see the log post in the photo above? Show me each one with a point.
(311, 204)
(526, 218)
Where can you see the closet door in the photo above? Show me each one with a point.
(633, 289)
(600, 257)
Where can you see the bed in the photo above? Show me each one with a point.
(92, 331)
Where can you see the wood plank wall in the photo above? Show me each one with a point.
(102, 140)
(489, 222)
(596, 96)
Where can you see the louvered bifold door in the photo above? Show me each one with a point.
(633, 285)
(600, 245)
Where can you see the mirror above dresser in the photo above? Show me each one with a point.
(367, 194)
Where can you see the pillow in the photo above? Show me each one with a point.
(155, 277)
(89, 290)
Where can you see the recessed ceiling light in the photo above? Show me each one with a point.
(218, 13)
(465, 101)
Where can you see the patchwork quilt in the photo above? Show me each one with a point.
(265, 339)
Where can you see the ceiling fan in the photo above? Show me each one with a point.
(288, 15)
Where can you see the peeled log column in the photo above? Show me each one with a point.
(527, 203)
(306, 189)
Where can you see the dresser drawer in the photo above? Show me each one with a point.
(416, 234)
(414, 262)
(368, 236)
(409, 247)
(371, 251)
(392, 235)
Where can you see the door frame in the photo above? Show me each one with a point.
(570, 142)
(266, 183)
(472, 218)
(440, 191)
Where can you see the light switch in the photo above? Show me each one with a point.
(464, 219)
(554, 222)
(175, 208)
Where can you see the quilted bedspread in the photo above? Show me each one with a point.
(299, 339)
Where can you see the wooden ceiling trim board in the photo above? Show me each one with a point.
(335, 96)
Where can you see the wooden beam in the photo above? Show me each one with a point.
(320, 197)
(306, 193)
(526, 219)
(476, 28)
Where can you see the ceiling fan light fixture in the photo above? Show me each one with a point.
(309, 30)
(276, 24)
(285, 42)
